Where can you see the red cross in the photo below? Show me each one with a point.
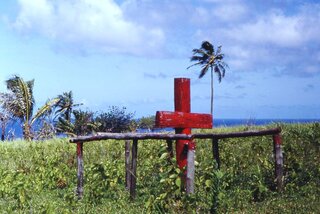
(182, 120)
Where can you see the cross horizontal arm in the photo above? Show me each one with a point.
(177, 119)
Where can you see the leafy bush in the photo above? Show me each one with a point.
(115, 120)
(40, 177)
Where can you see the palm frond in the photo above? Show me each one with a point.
(65, 105)
(218, 50)
(65, 126)
(218, 72)
(219, 56)
(22, 106)
(224, 64)
(198, 63)
(196, 50)
(208, 47)
(199, 58)
(30, 85)
(44, 109)
(222, 69)
(200, 52)
(204, 70)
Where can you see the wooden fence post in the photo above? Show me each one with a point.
(278, 161)
(190, 167)
(127, 164)
(169, 148)
(215, 151)
(80, 170)
(133, 179)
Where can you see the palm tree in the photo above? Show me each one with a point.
(208, 58)
(19, 103)
(82, 124)
(65, 105)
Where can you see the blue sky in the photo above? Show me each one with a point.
(127, 52)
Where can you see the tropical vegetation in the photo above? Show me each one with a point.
(114, 120)
(57, 116)
(82, 124)
(209, 58)
(40, 176)
(147, 123)
(65, 105)
(19, 103)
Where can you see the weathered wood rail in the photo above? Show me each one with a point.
(131, 165)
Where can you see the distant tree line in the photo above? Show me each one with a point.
(60, 115)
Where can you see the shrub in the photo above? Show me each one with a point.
(115, 120)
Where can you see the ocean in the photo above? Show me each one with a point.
(15, 128)
(258, 122)
(251, 122)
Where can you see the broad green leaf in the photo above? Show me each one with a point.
(208, 183)
(172, 176)
(164, 155)
(178, 182)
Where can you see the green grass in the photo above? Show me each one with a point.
(40, 177)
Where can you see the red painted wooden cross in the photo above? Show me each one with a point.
(182, 120)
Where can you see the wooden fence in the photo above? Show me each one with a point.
(131, 165)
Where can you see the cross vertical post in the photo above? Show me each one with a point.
(182, 104)
(182, 120)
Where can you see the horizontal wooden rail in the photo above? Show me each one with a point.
(166, 136)
(130, 136)
(238, 134)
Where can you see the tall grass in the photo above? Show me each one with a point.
(40, 177)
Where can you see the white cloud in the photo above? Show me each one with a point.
(278, 29)
(253, 38)
(267, 38)
(274, 28)
(276, 39)
(91, 24)
(218, 13)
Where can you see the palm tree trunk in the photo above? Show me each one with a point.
(211, 92)
(27, 132)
